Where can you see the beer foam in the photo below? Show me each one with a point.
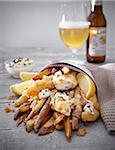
(72, 24)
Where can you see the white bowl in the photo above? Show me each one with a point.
(15, 71)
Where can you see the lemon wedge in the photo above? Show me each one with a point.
(18, 88)
(25, 76)
(86, 85)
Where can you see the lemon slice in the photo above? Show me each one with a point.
(24, 76)
(86, 85)
(18, 88)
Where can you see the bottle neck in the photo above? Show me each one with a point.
(96, 6)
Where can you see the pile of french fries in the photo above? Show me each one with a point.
(39, 115)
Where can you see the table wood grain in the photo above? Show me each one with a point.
(13, 138)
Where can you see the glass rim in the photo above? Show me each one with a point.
(74, 24)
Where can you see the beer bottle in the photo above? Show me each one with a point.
(96, 43)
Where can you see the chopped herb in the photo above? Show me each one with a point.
(88, 106)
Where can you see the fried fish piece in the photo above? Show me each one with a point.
(87, 116)
(64, 82)
(34, 90)
(95, 102)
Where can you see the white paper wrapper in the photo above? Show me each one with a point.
(73, 66)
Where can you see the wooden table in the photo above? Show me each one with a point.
(13, 138)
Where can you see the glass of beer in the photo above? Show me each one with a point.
(74, 27)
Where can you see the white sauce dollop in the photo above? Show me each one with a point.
(20, 62)
(61, 102)
(89, 108)
(44, 93)
(58, 76)
(62, 95)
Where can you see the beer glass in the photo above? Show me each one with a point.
(73, 26)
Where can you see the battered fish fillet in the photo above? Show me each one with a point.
(65, 82)
(86, 116)
(34, 90)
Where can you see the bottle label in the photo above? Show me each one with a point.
(97, 41)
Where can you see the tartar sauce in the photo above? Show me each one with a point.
(20, 62)
(89, 107)
(62, 95)
(58, 76)
(61, 102)
(44, 93)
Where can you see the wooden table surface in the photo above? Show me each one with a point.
(13, 138)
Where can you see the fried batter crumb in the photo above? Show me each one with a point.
(82, 132)
(12, 97)
(8, 110)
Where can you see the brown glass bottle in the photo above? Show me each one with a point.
(96, 43)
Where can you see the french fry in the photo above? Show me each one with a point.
(49, 115)
(30, 125)
(25, 107)
(77, 111)
(79, 95)
(17, 114)
(36, 109)
(68, 128)
(58, 117)
(53, 70)
(54, 91)
(40, 74)
(22, 99)
(75, 123)
(22, 109)
(42, 114)
(48, 127)
(65, 70)
(59, 126)
(21, 119)
(31, 99)
(77, 91)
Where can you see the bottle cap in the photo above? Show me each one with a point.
(98, 2)
(95, 2)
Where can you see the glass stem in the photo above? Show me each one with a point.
(76, 57)
(74, 53)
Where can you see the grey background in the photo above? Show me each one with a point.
(35, 23)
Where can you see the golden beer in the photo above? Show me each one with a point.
(74, 34)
